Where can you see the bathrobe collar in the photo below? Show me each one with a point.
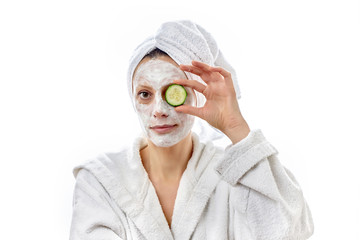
(127, 182)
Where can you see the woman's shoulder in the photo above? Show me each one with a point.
(112, 161)
(122, 168)
(102, 163)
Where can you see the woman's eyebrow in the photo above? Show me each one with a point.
(143, 86)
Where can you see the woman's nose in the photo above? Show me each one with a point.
(159, 114)
(161, 109)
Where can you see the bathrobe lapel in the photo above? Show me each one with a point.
(187, 217)
(197, 183)
(148, 215)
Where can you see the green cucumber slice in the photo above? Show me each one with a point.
(175, 95)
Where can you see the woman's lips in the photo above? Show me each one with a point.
(163, 128)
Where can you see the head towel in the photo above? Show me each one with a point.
(183, 41)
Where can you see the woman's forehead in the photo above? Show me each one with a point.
(157, 70)
(157, 66)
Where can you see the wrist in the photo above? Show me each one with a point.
(237, 132)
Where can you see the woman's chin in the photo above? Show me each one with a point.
(166, 139)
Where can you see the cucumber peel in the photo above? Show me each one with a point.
(175, 95)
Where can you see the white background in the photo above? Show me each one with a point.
(63, 97)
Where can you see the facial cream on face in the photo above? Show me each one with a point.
(161, 123)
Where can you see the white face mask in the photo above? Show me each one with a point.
(161, 123)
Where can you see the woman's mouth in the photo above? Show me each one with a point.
(161, 129)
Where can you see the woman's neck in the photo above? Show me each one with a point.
(167, 164)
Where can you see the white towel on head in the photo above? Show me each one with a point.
(185, 41)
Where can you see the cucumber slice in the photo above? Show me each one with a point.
(175, 95)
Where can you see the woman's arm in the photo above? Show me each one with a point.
(93, 216)
(275, 207)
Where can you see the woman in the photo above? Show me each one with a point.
(171, 184)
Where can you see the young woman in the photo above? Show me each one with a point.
(171, 184)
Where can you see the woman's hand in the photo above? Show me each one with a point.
(221, 109)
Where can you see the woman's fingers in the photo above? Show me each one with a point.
(190, 68)
(191, 83)
(224, 73)
(187, 109)
(201, 65)
(197, 68)
(205, 68)
(221, 71)
(208, 73)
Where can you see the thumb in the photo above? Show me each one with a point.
(189, 110)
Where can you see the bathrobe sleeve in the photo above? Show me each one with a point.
(266, 192)
(93, 216)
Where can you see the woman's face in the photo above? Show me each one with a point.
(160, 122)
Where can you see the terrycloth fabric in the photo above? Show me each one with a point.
(241, 192)
(185, 41)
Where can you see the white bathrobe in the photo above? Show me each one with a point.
(241, 192)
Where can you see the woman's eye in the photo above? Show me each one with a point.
(144, 95)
